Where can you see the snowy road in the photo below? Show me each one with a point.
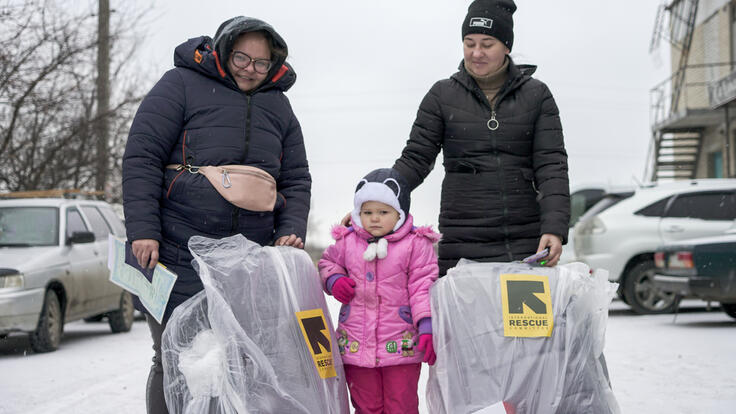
(656, 366)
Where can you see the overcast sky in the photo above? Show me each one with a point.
(363, 68)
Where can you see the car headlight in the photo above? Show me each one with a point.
(12, 280)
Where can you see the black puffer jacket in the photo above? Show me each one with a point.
(197, 115)
(503, 188)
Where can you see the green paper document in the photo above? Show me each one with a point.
(152, 286)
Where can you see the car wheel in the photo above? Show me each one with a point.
(729, 308)
(47, 335)
(620, 293)
(121, 320)
(641, 294)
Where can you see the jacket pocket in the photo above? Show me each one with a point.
(344, 313)
(172, 177)
(528, 175)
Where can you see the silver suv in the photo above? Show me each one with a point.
(623, 230)
(53, 268)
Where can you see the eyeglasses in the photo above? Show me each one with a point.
(241, 60)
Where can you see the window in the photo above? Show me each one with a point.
(581, 201)
(608, 201)
(99, 226)
(74, 222)
(113, 221)
(655, 209)
(29, 226)
(715, 165)
(733, 34)
(704, 206)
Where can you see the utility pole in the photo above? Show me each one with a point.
(102, 129)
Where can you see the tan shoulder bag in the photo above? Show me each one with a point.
(247, 187)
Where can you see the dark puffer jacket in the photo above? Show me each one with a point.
(197, 115)
(503, 188)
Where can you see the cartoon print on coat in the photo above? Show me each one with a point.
(407, 344)
(342, 340)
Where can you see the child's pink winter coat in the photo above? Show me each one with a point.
(379, 326)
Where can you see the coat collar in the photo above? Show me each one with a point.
(518, 74)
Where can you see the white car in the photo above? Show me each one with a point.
(622, 231)
(53, 268)
(582, 198)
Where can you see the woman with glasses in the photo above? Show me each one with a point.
(505, 193)
(222, 104)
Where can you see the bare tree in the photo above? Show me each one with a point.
(48, 95)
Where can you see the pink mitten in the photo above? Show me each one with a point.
(343, 290)
(425, 344)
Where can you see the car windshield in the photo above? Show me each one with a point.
(29, 226)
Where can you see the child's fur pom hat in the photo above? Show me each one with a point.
(384, 185)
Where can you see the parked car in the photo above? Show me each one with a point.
(703, 267)
(53, 268)
(582, 198)
(623, 230)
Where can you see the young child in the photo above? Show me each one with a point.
(381, 269)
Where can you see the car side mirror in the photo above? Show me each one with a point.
(81, 237)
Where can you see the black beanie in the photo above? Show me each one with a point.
(492, 18)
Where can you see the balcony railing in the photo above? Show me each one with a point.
(693, 94)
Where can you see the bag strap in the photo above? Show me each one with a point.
(194, 169)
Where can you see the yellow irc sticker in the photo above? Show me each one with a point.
(527, 305)
(317, 338)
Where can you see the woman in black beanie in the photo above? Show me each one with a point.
(505, 194)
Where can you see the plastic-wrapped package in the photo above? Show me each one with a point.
(478, 367)
(258, 339)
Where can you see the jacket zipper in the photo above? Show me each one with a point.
(247, 128)
(493, 125)
(378, 308)
(266, 177)
(235, 215)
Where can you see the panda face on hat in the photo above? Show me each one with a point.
(386, 186)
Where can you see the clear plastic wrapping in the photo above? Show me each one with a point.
(241, 346)
(478, 367)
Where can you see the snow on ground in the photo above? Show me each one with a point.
(668, 364)
(658, 364)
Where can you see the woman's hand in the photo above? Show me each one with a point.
(290, 240)
(554, 243)
(346, 220)
(146, 251)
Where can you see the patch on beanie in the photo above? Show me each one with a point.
(481, 22)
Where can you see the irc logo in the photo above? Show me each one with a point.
(527, 305)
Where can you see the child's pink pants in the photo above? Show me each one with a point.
(389, 390)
